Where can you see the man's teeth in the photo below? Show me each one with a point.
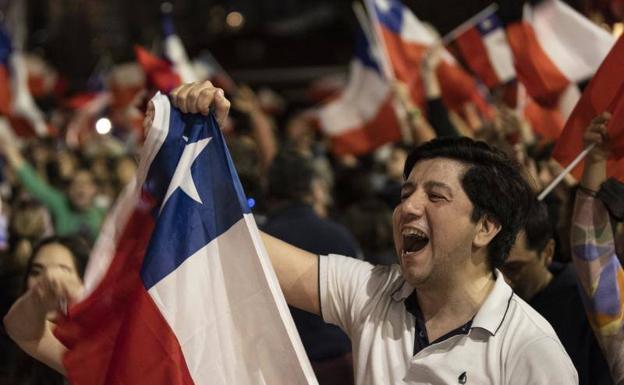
(414, 232)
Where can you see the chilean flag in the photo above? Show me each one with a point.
(5, 75)
(159, 72)
(486, 51)
(555, 47)
(407, 39)
(362, 118)
(16, 101)
(605, 92)
(180, 289)
(175, 51)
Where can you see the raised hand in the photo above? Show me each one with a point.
(597, 133)
(54, 289)
(199, 97)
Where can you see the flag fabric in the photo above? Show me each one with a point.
(363, 117)
(5, 77)
(553, 47)
(175, 51)
(605, 92)
(575, 44)
(179, 288)
(485, 49)
(16, 101)
(407, 40)
(546, 123)
(159, 72)
(167, 73)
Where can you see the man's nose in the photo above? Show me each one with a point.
(414, 204)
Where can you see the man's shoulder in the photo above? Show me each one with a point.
(531, 344)
(379, 279)
(526, 321)
(525, 330)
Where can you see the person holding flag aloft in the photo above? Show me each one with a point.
(598, 267)
(444, 315)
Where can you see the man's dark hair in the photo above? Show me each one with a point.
(493, 183)
(539, 228)
(290, 177)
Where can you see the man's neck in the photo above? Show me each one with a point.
(448, 306)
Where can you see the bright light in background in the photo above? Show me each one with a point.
(103, 126)
(235, 20)
(618, 28)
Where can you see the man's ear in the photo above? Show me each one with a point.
(548, 253)
(487, 229)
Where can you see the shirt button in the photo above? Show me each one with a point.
(421, 334)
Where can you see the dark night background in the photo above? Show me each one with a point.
(281, 43)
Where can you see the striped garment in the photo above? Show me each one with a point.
(601, 277)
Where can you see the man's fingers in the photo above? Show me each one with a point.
(606, 115)
(205, 100)
(222, 106)
(177, 96)
(195, 98)
(594, 137)
(601, 119)
(199, 98)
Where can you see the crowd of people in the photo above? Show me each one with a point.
(429, 227)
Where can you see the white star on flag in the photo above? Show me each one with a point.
(182, 177)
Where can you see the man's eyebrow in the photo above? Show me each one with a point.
(435, 184)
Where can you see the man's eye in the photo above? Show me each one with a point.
(34, 273)
(436, 197)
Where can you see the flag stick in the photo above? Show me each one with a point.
(381, 52)
(379, 41)
(360, 14)
(565, 172)
(466, 25)
(230, 83)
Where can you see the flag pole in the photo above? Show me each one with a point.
(466, 25)
(362, 19)
(381, 52)
(230, 83)
(565, 172)
(379, 42)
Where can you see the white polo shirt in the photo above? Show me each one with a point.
(508, 342)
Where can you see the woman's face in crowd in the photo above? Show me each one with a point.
(51, 256)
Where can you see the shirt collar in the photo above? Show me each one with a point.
(493, 311)
(402, 292)
(491, 314)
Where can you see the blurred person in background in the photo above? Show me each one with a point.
(73, 211)
(597, 265)
(65, 256)
(552, 289)
(294, 190)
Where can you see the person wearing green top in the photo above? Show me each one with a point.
(73, 211)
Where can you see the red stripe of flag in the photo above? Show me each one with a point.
(541, 77)
(605, 92)
(382, 129)
(474, 52)
(100, 349)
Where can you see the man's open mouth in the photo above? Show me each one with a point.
(414, 240)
